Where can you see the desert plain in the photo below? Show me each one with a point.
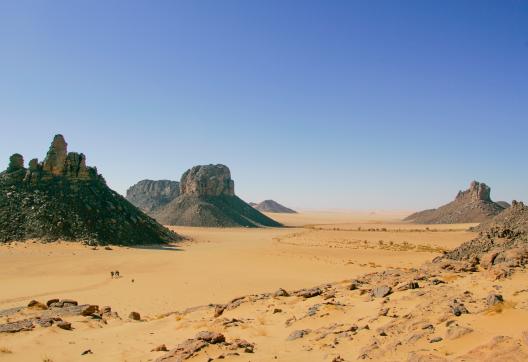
(248, 284)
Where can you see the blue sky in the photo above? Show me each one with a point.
(316, 104)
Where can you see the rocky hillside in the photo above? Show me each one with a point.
(62, 198)
(207, 198)
(472, 205)
(273, 207)
(149, 195)
(502, 241)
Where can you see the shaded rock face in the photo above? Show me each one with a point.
(207, 198)
(150, 195)
(472, 205)
(208, 180)
(273, 207)
(62, 198)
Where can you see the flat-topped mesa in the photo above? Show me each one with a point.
(207, 198)
(477, 191)
(207, 180)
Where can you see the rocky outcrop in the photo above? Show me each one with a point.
(502, 242)
(62, 198)
(472, 205)
(209, 180)
(273, 207)
(149, 195)
(207, 198)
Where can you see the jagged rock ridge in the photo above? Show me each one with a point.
(149, 195)
(207, 198)
(472, 205)
(273, 207)
(62, 198)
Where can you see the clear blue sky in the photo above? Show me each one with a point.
(316, 104)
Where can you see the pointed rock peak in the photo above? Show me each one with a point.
(56, 157)
(477, 191)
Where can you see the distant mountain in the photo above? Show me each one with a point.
(273, 206)
(207, 198)
(472, 205)
(149, 195)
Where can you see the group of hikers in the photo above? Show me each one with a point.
(114, 274)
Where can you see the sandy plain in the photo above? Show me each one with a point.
(176, 289)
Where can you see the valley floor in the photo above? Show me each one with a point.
(177, 289)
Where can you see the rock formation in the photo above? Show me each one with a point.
(150, 195)
(273, 207)
(207, 198)
(62, 198)
(502, 241)
(472, 205)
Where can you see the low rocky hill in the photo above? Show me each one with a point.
(472, 205)
(273, 207)
(502, 241)
(207, 198)
(62, 198)
(149, 195)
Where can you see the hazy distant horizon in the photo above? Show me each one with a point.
(317, 105)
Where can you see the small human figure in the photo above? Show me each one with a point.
(132, 280)
(112, 274)
(116, 273)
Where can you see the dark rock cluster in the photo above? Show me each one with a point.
(62, 198)
(472, 205)
(207, 198)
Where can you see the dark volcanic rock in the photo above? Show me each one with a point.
(274, 207)
(472, 205)
(150, 195)
(62, 198)
(207, 198)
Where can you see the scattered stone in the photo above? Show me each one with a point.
(134, 316)
(436, 340)
(64, 325)
(381, 292)
(219, 310)
(281, 293)
(298, 334)
(19, 326)
(493, 299)
(88, 351)
(211, 337)
(160, 348)
(456, 331)
(309, 293)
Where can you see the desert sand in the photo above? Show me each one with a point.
(176, 290)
